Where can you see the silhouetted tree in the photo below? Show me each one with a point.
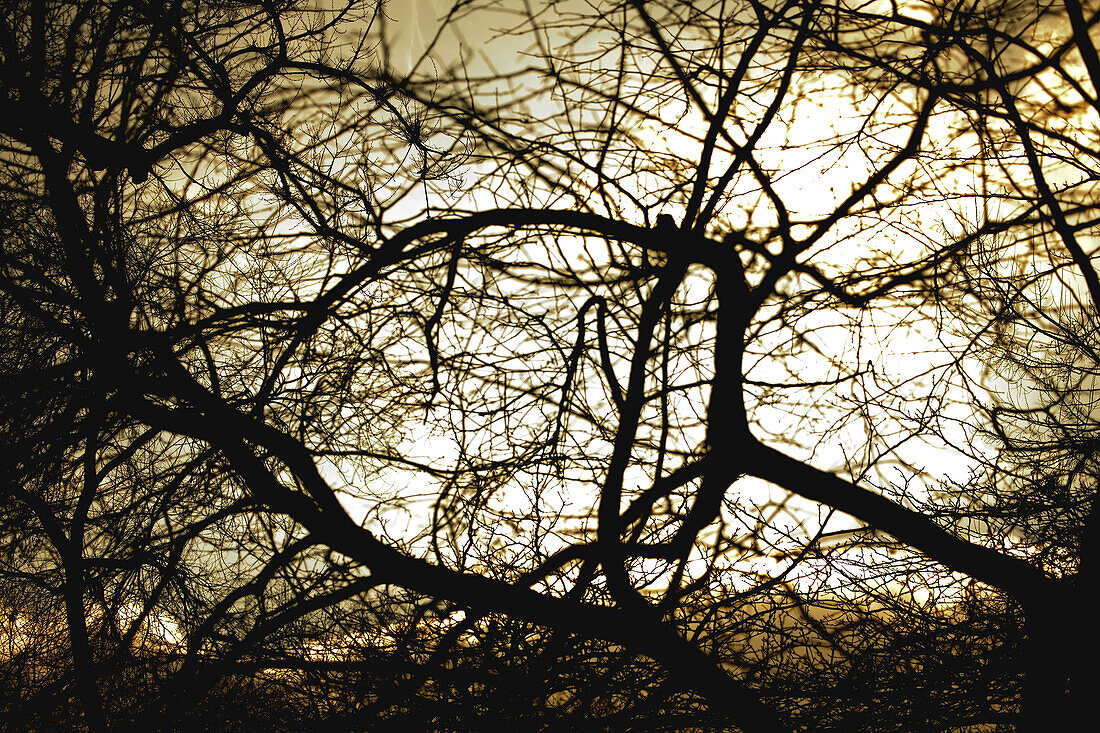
(603, 390)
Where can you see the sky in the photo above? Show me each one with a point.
(812, 190)
(815, 186)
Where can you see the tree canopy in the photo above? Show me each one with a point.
(627, 365)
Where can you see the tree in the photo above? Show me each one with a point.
(572, 394)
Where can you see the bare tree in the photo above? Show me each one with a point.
(604, 389)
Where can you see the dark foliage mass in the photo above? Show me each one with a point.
(630, 365)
